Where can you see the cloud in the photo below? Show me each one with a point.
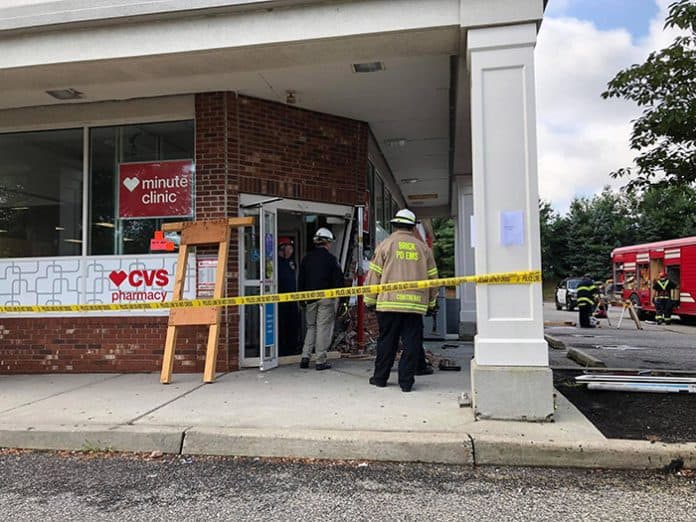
(582, 138)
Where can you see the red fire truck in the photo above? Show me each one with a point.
(637, 267)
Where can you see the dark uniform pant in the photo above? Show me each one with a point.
(585, 311)
(392, 326)
(663, 310)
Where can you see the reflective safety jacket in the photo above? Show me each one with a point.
(663, 288)
(587, 291)
(402, 257)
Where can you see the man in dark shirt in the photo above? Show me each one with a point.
(319, 270)
(288, 313)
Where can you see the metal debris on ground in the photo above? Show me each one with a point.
(638, 383)
(465, 400)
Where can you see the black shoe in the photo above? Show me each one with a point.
(323, 366)
(406, 389)
(379, 384)
(428, 370)
(304, 363)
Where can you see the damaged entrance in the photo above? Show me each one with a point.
(276, 218)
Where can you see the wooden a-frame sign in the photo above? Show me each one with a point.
(198, 233)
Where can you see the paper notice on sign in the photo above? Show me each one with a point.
(512, 228)
(205, 276)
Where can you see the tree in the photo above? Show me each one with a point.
(664, 136)
(595, 227)
(554, 242)
(664, 213)
(443, 246)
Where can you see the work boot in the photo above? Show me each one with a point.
(427, 370)
(304, 363)
(406, 389)
(379, 384)
(323, 366)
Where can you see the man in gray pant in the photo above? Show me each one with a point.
(319, 270)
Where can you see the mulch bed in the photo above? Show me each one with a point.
(665, 417)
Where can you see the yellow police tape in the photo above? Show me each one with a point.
(509, 278)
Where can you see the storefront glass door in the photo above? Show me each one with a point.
(260, 322)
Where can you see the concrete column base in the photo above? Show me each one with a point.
(467, 330)
(523, 393)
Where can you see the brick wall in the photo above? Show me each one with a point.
(242, 145)
(100, 344)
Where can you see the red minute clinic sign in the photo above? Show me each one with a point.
(156, 189)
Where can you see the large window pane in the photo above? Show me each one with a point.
(41, 193)
(110, 146)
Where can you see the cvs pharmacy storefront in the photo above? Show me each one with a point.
(85, 188)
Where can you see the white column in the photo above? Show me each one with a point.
(465, 256)
(510, 374)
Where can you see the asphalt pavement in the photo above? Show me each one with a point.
(50, 487)
(654, 347)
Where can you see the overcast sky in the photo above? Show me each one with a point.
(582, 44)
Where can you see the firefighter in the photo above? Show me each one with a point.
(663, 287)
(400, 257)
(319, 270)
(587, 296)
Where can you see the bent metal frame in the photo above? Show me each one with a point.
(199, 233)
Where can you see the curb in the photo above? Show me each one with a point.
(607, 453)
(583, 358)
(554, 342)
(94, 438)
(432, 447)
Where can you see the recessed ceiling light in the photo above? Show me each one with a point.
(396, 142)
(411, 180)
(73, 240)
(421, 196)
(104, 224)
(368, 67)
(65, 94)
(60, 228)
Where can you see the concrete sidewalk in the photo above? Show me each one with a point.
(333, 414)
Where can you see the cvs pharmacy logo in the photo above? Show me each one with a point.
(138, 278)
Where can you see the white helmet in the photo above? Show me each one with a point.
(405, 217)
(323, 235)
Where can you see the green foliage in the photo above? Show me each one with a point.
(582, 240)
(443, 246)
(664, 136)
(554, 242)
(665, 213)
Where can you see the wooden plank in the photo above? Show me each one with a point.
(170, 342)
(214, 332)
(634, 316)
(205, 232)
(211, 352)
(168, 358)
(232, 222)
(206, 315)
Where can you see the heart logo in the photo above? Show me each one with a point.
(118, 277)
(131, 183)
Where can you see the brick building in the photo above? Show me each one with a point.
(294, 112)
